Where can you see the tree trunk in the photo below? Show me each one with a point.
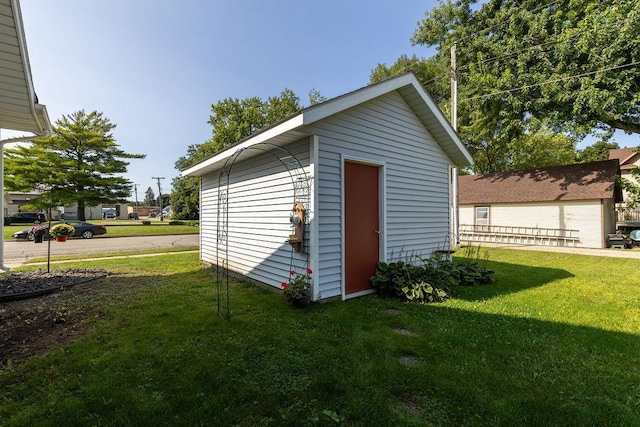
(81, 216)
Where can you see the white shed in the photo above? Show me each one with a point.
(371, 171)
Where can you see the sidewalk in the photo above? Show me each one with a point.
(613, 253)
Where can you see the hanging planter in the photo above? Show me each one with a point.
(62, 231)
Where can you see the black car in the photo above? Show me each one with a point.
(26, 218)
(82, 229)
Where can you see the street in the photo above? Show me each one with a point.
(16, 252)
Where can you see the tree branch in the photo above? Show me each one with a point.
(625, 126)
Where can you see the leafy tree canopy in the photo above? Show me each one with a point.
(81, 162)
(568, 66)
(597, 151)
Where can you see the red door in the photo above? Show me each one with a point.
(362, 225)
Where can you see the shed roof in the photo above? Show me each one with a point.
(19, 107)
(583, 181)
(292, 128)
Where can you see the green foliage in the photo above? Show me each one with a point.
(596, 151)
(402, 279)
(149, 198)
(517, 68)
(431, 281)
(146, 222)
(234, 119)
(423, 292)
(185, 197)
(632, 188)
(80, 163)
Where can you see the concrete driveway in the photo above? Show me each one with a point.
(16, 252)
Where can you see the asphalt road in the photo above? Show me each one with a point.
(16, 252)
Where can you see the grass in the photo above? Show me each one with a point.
(554, 342)
(94, 255)
(122, 229)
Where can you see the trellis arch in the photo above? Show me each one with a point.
(301, 193)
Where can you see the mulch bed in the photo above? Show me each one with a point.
(15, 286)
(40, 310)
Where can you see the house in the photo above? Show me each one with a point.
(335, 188)
(569, 205)
(19, 107)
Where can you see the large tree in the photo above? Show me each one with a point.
(80, 162)
(231, 120)
(571, 64)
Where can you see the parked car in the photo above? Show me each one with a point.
(134, 215)
(108, 214)
(26, 218)
(82, 229)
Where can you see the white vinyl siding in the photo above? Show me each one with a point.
(260, 200)
(386, 131)
(584, 216)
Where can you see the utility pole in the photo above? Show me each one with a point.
(158, 178)
(454, 170)
(135, 189)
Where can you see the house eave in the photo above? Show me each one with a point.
(19, 108)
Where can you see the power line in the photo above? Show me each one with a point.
(552, 81)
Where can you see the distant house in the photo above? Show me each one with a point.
(336, 188)
(570, 205)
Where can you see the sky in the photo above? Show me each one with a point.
(155, 67)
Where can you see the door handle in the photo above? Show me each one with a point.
(377, 232)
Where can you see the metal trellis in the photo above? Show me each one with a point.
(301, 193)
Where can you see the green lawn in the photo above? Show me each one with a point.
(555, 342)
(122, 229)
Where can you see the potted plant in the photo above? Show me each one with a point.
(62, 231)
(297, 290)
(38, 232)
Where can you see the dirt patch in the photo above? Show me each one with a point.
(68, 302)
(409, 360)
(402, 331)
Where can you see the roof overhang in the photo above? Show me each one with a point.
(293, 128)
(19, 107)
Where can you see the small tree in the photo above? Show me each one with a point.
(149, 198)
(80, 163)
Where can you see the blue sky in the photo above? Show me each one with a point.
(154, 67)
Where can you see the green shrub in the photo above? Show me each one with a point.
(146, 222)
(410, 282)
(467, 273)
(176, 222)
(429, 282)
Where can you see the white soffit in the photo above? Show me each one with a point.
(19, 110)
